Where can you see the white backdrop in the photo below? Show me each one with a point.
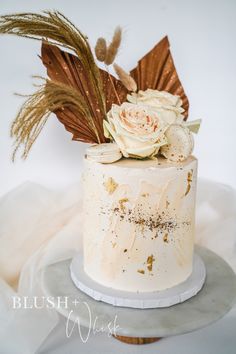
(202, 34)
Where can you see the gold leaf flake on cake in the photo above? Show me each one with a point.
(113, 244)
(122, 203)
(145, 195)
(165, 238)
(150, 261)
(110, 185)
(141, 271)
(167, 203)
(189, 181)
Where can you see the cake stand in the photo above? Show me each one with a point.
(139, 326)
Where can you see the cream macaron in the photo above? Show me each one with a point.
(104, 153)
(180, 143)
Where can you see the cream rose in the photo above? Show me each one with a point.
(162, 101)
(137, 129)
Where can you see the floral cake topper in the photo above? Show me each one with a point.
(143, 112)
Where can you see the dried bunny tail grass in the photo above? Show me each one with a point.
(113, 47)
(125, 78)
(33, 115)
(101, 49)
(60, 31)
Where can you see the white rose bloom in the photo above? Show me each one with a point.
(137, 129)
(162, 101)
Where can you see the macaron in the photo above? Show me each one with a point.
(104, 153)
(180, 143)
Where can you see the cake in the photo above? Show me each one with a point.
(139, 174)
(139, 223)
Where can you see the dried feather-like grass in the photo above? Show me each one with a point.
(113, 47)
(33, 115)
(60, 31)
(101, 49)
(125, 78)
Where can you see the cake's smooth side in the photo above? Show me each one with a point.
(139, 223)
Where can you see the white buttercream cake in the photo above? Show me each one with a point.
(139, 222)
(139, 177)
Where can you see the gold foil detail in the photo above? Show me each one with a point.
(165, 238)
(141, 271)
(122, 202)
(150, 261)
(113, 244)
(145, 195)
(189, 181)
(110, 185)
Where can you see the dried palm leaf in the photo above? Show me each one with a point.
(66, 68)
(58, 30)
(156, 70)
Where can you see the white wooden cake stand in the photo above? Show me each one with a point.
(139, 326)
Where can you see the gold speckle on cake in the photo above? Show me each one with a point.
(113, 244)
(165, 238)
(110, 185)
(141, 271)
(145, 195)
(167, 203)
(150, 261)
(141, 223)
(189, 181)
(122, 202)
(125, 250)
